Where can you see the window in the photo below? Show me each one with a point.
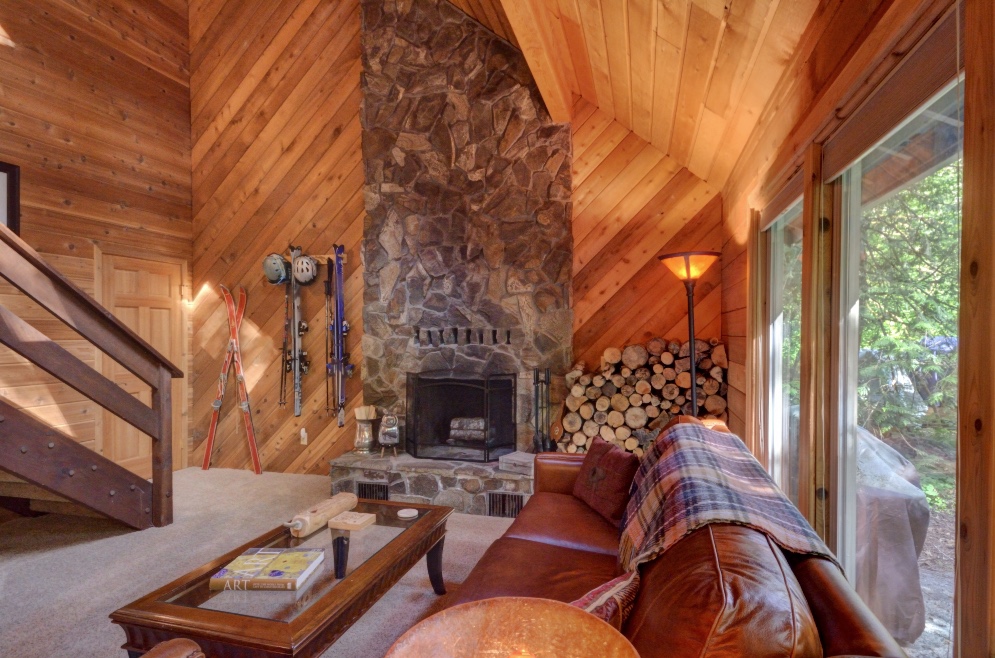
(10, 203)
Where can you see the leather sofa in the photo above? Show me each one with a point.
(724, 590)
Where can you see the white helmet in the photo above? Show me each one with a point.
(276, 269)
(305, 269)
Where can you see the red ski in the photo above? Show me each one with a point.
(233, 354)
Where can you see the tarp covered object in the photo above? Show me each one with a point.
(892, 519)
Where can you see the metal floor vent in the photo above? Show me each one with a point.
(504, 504)
(372, 490)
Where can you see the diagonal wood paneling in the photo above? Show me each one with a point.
(632, 203)
(95, 109)
(276, 159)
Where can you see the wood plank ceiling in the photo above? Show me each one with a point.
(691, 77)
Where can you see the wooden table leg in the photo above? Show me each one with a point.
(435, 567)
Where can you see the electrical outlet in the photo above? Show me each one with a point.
(303, 436)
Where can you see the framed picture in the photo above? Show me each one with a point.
(10, 196)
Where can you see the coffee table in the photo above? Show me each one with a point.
(304, 623)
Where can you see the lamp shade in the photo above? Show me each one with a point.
(689, 265)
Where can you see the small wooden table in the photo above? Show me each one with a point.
(303, 623)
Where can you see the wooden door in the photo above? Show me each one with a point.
(147, 296)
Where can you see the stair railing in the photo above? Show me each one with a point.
(49, 459)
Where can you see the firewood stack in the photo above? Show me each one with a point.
(639, 389)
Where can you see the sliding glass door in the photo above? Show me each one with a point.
(898, 254)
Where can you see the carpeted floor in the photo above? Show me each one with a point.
(60, 576)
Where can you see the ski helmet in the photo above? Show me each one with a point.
(305, 269)
(276, 269)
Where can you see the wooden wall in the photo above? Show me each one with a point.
(276, 159)
(847, 50)
(94, 108)
(632, 203)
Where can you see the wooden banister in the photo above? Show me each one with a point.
(28, 272)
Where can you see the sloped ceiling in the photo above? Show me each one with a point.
(691, 77)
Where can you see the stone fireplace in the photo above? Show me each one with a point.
(467, 248)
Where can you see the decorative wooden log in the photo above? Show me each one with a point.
(634, 356)
(571, 448)
(572, 422)
(598, 380)
(653, 360)
(584, 380)
(656, 346)
(572, 376)
(586, 410)
(592, 393)
(683, 380)
(719, 357)
(643, 386)
(600, 417)
(666, 358)
(711, 386)
(573, 402)
(658, 381)
(716, 373)
(616, 419)
(631, 380)
(680, 399)
(715, 404)
(642, 374)
(682, 365)
(618, 381)
(609, 389)
(670, 392)
(612, 355)
(625, 372)
(647, 398)
(623, 432)
(651, 411)
(620, 402)
(673, 347)
(674, 409)
(638, 452)
(577, 390)
(631, 443)
(627, 390)
(705, 364)
(602, 403)
(635, 417)
(699, 380)
(607, 433)
(579, 439)
(636, 400)
(669, 374)
(658, 369)
(700, 347)
(590, 428)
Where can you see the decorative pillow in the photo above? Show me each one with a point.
(604, 479)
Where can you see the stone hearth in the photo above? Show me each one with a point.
(467, 245)
(460, 485)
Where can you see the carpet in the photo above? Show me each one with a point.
(61, 576)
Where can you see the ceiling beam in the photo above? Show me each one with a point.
(540, 36)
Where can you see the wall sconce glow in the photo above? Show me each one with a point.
(5, 39)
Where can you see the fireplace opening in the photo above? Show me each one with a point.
(467, 418)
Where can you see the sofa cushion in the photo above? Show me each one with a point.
(724, 590)
(562, 520)
(604, 479)
(518, 567)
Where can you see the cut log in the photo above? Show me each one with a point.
(634, 356)
(651, 411)
(635, 417)
(631, 380)
(666, 358)
(643, 386)
(658, 369)
(571, 448)
(590, 428)
(682, 365)
(631, 443)
(719, 357)
(572, 376)
(586, 410)
(618, 381)
(598, 380)
(584, 380)
(638, 452)
(627, 390)
(600, 417)
(612, 355)
(670, 391)
(642, 374)
(669, 374)
(577, 390)
(673, 347)
(699, 379)
(716, 373)
(658, 381)
(683, 380)
(602, 403)
(616, 419)
(592, 393)
(572, 422)
(655, 400)
(700, 347)
(579, 439)
(609, 389)
(674, 409)
(647, 398)
(636, 400)
(653, 360)
(623, 433)
(715, 404)
(711, 386)
(625, 371)
(705, 364)
(573, 402)
(607, 433)
(680, 399)
(620, 402)
(656, 346)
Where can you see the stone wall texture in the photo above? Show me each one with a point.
(468, 204)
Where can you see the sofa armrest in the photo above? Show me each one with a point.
(556, 472)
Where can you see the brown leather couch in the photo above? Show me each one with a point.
(724, 590)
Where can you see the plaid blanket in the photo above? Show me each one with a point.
(691, 477)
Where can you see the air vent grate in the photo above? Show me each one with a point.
(372, 490)
(504, 504)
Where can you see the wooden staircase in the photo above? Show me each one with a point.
(49, 468)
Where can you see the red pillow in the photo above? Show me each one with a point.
(604, 479)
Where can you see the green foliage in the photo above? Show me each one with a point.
(909, 291)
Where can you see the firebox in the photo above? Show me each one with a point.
(460, 417)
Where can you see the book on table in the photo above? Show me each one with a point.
(268, 569)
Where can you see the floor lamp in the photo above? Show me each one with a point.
(689, 266)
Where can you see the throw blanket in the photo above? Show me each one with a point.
(690, 477)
